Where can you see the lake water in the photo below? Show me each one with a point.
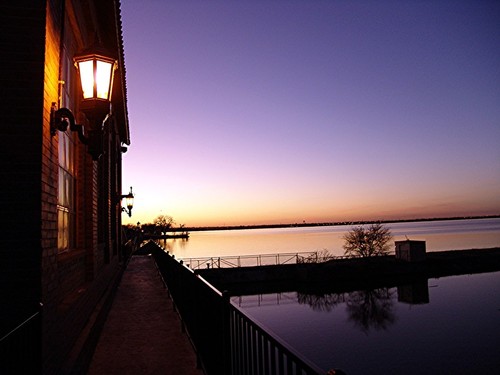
(448, 325)
(439, 235)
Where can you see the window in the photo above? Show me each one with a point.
(66, 194)
(66, 217)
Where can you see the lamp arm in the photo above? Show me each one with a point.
(79, 129)
(61, 117)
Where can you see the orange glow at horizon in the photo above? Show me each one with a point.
(323, 113)
(271, 210)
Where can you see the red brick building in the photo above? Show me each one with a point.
(61, 251)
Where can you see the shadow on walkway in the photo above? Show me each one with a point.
(142, 334)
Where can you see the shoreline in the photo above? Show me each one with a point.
(351, 273)
(326, 224)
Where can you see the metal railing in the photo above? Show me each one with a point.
(20, 347)
(254, 350)
(201, 309)
(226, 341)
(254, 260)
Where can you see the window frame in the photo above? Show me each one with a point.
(67, 179)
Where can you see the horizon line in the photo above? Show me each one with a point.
(313, 224)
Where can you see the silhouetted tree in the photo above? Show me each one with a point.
(163, 223)
(367, 241)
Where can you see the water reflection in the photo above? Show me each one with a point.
(173, 243)
(371, 309)
(391, 330)
(366, 309)
(325, 302)
(416, 293)
(439, 235)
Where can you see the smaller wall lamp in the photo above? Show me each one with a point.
(129, 201)
(96, 72)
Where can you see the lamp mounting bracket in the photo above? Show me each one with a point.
(61, 118)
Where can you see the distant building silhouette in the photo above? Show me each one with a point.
(410, 250)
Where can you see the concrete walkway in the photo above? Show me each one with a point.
(142, 334)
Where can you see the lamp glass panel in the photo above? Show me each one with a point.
(130, 202)
(86, 69)
(103, 79)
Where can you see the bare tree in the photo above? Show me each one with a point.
(163, 223)
(367, 241)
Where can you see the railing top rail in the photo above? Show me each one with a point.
(19, 326)
(255, 255)
(214, 289)
(277, 259)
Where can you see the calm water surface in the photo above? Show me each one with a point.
(441, 326)
(439, 235)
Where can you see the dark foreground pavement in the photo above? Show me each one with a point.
(142, 334)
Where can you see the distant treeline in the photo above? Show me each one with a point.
(297, 225)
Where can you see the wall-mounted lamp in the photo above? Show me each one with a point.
(96, 72)
(129, 201)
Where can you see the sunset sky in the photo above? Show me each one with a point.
(248, 112)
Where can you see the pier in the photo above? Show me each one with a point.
(350, 273)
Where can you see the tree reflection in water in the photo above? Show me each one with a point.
(367, 309)
(371, 309)
(324, 302)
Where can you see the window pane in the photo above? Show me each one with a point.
(60, 191)
(67, 192)
(62, 146)
(71, 193)
(60, 230)
(71, 156)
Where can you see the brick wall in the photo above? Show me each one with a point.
(50, 284)
(69, 284)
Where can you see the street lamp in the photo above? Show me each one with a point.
(129, 201)
(96, 71)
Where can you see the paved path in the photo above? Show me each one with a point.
(142, 334)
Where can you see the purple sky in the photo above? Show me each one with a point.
(247, 112)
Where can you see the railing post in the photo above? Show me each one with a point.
(226, 333)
